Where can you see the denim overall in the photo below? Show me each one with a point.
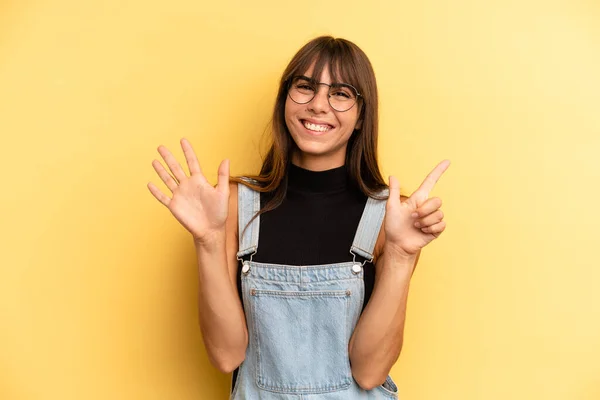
(300, 318)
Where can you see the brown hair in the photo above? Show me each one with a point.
(348, 62)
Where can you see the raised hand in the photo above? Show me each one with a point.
(201, 208)
(412, 224)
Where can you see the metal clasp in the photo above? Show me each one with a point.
(246, 263)
(242, 257)
(363, 263)
(358, 266)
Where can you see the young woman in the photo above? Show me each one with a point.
(304, 269)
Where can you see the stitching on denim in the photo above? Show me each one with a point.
(340, 265)
(263, 383)
(357, 276)
(309, 293)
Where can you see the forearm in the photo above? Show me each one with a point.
(221, 315)
(377, 339)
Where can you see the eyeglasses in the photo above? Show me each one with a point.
(341, 96)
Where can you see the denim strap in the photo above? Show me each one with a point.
(368, 227)
(248, 206)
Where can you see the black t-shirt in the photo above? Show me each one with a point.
(315, 224)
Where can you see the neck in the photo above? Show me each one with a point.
(318, 162)
(306, 181)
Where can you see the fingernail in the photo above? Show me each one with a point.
(414, 215)
(417, 224)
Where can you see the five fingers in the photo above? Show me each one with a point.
(173, 179)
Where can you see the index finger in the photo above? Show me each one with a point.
(433, 177)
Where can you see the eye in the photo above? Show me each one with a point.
(342, 93)
(304, 87)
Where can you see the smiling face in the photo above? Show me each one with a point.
(320, 133)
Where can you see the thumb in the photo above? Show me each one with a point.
(223, 178)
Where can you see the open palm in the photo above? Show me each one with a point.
(201, 208)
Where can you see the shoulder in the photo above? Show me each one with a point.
(237, 185)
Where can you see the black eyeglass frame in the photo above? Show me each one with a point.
(312, 81)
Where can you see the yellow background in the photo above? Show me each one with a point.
(98, 280)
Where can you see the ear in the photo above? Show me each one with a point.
(358, 124)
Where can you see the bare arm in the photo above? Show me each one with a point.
(210, 215)
(221, 315)
(377, 339)
(410, 224)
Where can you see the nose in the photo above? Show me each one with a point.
(320, 103)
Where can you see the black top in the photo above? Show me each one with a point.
(315, 224)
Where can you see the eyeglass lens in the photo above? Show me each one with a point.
(341, 96)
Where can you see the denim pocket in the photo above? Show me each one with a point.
(301, 340)
(389, 388)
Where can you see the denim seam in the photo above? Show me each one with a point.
(303, 284)
(340, 265)
(305, 390)
(296, 293)
(347, 335)
(360, 248)
(258, 366)
(261, 382)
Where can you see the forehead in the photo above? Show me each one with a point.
(323, 77)
(321, 69)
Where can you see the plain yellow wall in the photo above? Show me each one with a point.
(98, 280)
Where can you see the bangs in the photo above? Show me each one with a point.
(348, 64)
(334, 54)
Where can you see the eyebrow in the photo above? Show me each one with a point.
(309, 79)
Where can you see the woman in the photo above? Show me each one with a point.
(317, 310)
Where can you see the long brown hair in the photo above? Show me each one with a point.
(349, 64)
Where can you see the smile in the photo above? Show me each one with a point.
(316, 127)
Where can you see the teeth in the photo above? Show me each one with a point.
(315, 127)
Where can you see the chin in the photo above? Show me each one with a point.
(317, 146)
(319, 150)
(313, 150)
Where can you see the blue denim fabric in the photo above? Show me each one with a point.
(300, 319)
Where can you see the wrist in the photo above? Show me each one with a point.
(398, 254)
(210, 241)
